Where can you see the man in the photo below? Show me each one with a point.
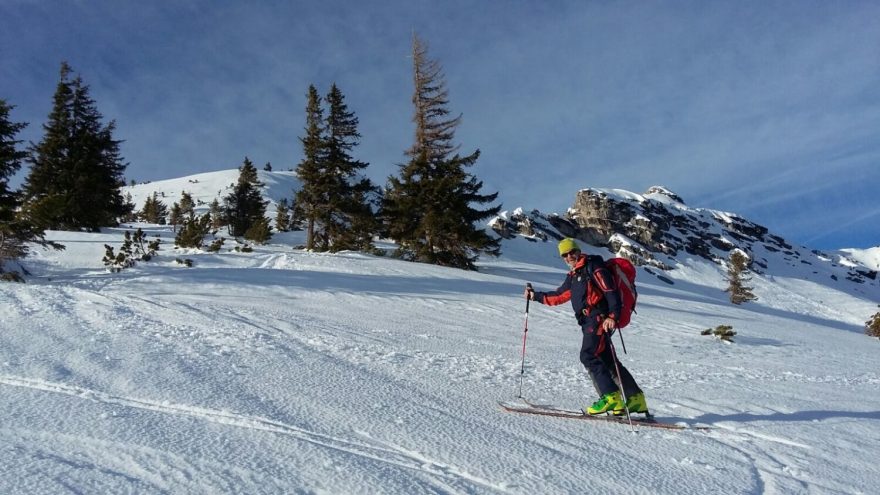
(596, 303)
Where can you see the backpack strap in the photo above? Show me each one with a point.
(594, 262)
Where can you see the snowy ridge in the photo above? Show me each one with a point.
(206, 187)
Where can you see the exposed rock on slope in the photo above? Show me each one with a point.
(658, 229)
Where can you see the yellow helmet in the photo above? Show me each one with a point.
(567, 245)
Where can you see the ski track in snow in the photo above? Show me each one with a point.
(386, 452)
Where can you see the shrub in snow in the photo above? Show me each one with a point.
(723, 332)
(193, 232)
(134, 248)
(216, 245)
(11, 277)
(872, 326)
(259, 232)
(143, 250)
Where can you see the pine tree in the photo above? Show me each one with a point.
(16, 232)
(154, 210)
(737, 278)
(311, 171)
(218, 218)
(132, 215)
(872, 326)
(175, 218)
(427, 209)
(245, 205)
(76, 170)
(297, 217)
(282, 216)
(350, 221)
(10, 162)
(187, 205)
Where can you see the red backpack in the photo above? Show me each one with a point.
(624, 274)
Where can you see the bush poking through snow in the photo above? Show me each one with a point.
(215, 246)
(185, 262)
(872, 326)
(11, 277)
(134, 248)
(723, 332)
(259, 232)
(193, 232)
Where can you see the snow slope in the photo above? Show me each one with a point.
(867, 257)
(285, 371)
(205, 188)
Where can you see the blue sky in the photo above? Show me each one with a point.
(767, 109)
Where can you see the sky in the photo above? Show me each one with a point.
(765, 109)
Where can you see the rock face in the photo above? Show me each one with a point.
(657, 229)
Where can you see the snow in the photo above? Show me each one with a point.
(867, 257)
(287, 371)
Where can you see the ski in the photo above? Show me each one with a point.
(547, 410)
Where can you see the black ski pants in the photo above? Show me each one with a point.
(597, 357)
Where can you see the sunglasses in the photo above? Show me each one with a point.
(573, 252)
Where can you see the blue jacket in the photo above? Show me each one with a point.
(590, 288)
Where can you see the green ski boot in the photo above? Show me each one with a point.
(607, 402)
(636, 404)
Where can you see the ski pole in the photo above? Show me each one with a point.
(620, 334)
(620, 385)
(522, 370)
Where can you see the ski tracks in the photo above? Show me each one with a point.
(442, 477)
(779, 465)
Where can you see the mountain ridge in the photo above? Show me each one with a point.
(659, 231)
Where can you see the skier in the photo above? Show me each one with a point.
(594, 297)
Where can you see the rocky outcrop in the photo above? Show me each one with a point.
(657, 228)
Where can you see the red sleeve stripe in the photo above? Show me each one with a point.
(551, 300)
